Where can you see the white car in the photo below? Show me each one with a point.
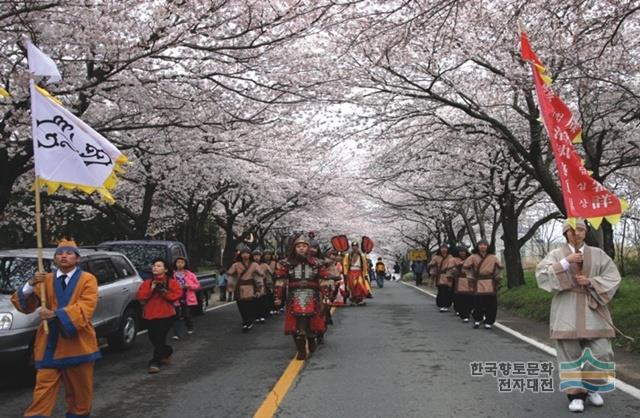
(117, 315)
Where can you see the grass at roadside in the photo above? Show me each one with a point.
(531, 302)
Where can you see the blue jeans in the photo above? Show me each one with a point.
(380, 279)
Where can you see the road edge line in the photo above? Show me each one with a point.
(619, 384)
(219, 306)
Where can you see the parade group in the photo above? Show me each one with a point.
(304, 285)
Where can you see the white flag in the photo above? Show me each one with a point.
(41, 64)
(70, 153)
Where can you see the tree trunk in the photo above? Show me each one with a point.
(230, 244)
(10, 169)
(620, 251)
(142, 220)
(191, 237)
(509, 220)
(480, 219)
(451, 234)
(608, 245)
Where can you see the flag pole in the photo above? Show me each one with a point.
(43, 289)
(38, 213)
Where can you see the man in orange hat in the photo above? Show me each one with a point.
(68, 352)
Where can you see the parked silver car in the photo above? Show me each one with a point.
(117, 316)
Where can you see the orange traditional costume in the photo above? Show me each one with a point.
(355, 268)
(68, 352)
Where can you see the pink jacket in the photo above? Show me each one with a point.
(192, 284)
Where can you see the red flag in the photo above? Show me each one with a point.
(583, 196)
(527, 52)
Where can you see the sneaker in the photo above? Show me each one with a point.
(153, 369)
(175, 337)
(465, 320)
(488, 326)
(190, 332)
(476, 325)
(260, 320)
(249, 326)
(166, 361)
(595, 399)
(444, 309)
(576, 405)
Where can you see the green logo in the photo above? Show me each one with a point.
(588, 373)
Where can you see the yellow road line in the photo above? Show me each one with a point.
(276, 396)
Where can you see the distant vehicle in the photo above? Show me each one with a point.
(117, 315)
(143, 252)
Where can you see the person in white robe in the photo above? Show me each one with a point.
(583, 280)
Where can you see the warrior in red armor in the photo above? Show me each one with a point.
(302, 276)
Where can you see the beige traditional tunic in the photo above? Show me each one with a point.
(268, 269)
(333, 274)
(484, 271)
(579, 312)
(443, 269)
(245, 281)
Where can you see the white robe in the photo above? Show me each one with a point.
(579, 312)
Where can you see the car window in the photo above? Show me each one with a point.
(123, 268)
(140, 255)
(176, 251)
(15, 271)
(103, 270)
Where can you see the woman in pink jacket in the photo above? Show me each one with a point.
(189, 283)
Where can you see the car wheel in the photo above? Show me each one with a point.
(125, 337)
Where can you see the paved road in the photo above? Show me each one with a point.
(396, 357)
(400, 357)
(216, 372)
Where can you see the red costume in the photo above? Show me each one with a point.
(301, 276)
(356, 269)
